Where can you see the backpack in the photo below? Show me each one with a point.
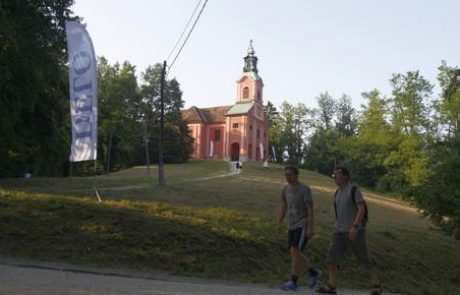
(353, 197)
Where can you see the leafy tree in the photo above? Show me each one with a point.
(177, 141)
(322, 152)
(327, 110)
(34, 105)
(119, 128)
(410, 113)
(365, 153)
(408, 165)
(448, 106)
(373, 125)
(439, 196)
(346, 117)
(289, 130)
(273, 122)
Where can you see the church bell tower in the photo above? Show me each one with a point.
(250, 85)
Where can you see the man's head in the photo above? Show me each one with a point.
(341, 175)
(292, 174)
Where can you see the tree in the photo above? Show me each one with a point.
(289, 130)
(408, 165)
(177, 141)
(273, 120)
(439, 196)
(323, 153)
(366, 152)
(346, 117)
(410, 114)
(448, 106)
(327, 110)
(119, 124)
(34, 106)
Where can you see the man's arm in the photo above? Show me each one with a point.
(359, 215)
(353, 231)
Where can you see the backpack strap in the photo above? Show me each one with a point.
(353, 197)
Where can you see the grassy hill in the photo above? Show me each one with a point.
(204, 225)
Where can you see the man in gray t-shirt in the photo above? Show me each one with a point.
(346, 209)
(349, 230)
(297, 203)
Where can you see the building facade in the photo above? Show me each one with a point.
(234, 132)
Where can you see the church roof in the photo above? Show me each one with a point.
(252, 75)
(240, 108)
(206, 115)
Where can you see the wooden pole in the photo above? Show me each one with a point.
(161, 180)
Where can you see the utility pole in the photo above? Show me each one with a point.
(161, 176)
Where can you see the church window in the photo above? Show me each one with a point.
(250, 127)
(258, 133)
(246, 92)
(217, 135)
(235, 125)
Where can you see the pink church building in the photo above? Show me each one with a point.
(233, 132)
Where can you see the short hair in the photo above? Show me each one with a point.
(344, 171)
(292, 168)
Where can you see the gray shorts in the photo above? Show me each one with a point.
(339, 245)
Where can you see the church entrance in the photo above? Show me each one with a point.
(235, 155)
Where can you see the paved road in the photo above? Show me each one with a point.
(25, 278)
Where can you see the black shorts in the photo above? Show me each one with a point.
(297, 238)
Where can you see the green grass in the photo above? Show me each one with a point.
(222, 227)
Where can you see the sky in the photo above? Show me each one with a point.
(304, 47)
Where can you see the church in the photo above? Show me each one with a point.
(237, 132)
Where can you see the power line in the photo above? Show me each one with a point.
(182, 34)
(188, 35)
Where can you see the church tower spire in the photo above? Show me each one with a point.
(250, 61)
(250, 85)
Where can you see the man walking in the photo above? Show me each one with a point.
(297, 201)
(349, 230)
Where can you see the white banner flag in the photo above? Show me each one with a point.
(83, 92)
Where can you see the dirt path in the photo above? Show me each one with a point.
(58, 279)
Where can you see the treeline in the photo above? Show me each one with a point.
(35, 131)
(407, 143)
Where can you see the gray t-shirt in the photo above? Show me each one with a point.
(295, 199)
(346, 209)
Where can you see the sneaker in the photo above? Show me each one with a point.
(314, 280)
(289, 286)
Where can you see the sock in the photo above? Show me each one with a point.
(312, 272)
(294, 279)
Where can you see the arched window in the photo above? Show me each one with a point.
(246, 92)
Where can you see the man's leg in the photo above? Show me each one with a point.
(361, 251)
(334, 257)
(298, 262)
(374, 276)
(332, 270)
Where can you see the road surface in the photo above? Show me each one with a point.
(24, 278)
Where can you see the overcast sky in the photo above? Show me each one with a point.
(304, 47)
